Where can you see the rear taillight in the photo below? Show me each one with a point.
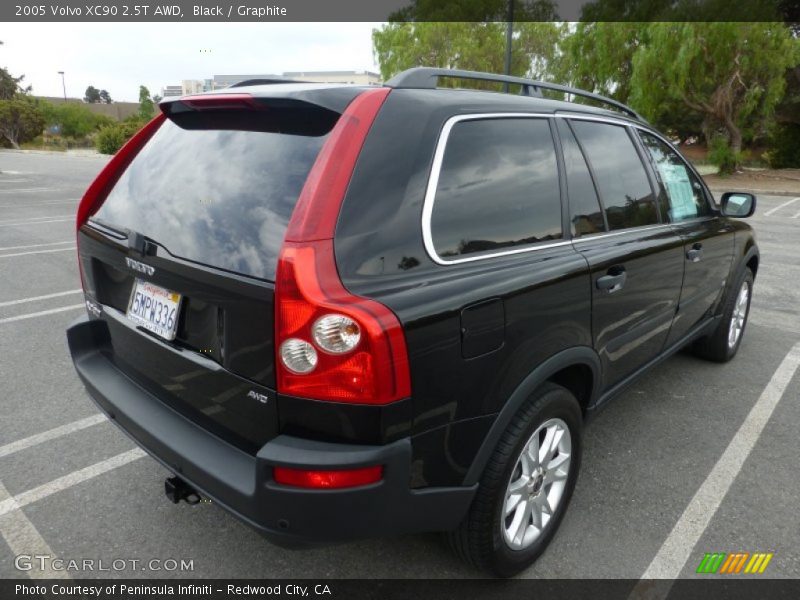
(330, 344)
(96, 194)
(327, 479)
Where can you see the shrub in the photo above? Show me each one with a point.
(722, 156)
(75, 120)
(784, 146)
(112, 137)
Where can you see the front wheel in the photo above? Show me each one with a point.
(526, 487)
(723, 344)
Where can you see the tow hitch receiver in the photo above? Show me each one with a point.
(177, 489)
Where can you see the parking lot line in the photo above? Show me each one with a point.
(27, 190)
(18, 219)
(22, 537)
(41, 313)
(780, 206)
(677, 548)
(38, 203)
(51, 434)
(35, 252)
(36, 222)
(69, 480)
(37, 245)
(35, 298)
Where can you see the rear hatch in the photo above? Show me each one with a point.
(181, 256)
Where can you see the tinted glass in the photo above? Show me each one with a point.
(498, 187)
(620, 176)
(684, 192)
(584, 208)
(220, 197)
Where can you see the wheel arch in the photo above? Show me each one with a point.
(568, 368)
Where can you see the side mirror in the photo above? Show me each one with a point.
(738, 204)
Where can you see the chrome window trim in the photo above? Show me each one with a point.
(433, 182)
(597, 236)
(436, 166)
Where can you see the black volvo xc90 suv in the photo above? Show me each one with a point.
(343, 311)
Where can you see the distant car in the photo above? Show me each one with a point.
(343, 311)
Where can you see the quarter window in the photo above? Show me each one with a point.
(498, 187)
(619, 174)
(683, 189)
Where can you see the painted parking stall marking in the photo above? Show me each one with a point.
(780, 206)
(69, 480)
(677, 548)
(51, 434)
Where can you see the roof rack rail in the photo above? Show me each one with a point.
(427, 78)
(264, 82)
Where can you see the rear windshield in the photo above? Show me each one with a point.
(218, 196)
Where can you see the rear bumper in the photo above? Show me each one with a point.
(243, 484)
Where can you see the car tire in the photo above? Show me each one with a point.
(723, 344)
(487, 538)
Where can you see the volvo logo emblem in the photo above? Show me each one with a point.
(139, 266)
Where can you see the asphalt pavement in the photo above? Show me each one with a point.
(694, 458)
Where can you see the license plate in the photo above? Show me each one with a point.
(155, 308)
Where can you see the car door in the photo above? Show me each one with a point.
(635, 259)
(707, 238)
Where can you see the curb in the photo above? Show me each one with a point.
(753, 191)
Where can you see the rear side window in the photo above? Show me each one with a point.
(684, 191)
(584, 207)
(215, 193)
(619, 174)
(498, 187)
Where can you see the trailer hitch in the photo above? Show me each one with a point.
(177, 489)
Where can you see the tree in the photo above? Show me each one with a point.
(598, 57)
(731, 74)
(157, 99)
(92, 95)
(146, 106)
(105, 97)
(21, 119)
(11, 86)
(478, 46)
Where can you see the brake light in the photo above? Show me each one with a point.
(327, 479)
(220, 102)
(101, 186)
(330, 344)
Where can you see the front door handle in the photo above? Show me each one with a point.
(613, 281)
(696, 253)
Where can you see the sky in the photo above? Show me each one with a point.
(119, 57)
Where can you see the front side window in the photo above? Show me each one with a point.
(498, 187)
(684, 191)
(620, 176)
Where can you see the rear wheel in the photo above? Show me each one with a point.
(526, 487)
(723, 344)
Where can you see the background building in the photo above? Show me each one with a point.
(220, 82)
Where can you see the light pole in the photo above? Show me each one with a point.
(63, 85)
(509, 38)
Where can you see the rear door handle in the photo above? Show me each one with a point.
(696, 253)
(614, 281)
